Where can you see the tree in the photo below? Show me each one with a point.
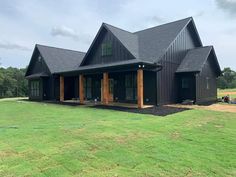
(227, 80)
(13, 82)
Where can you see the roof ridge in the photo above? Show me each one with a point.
(118, 28)
(163, 25)
(60, 48)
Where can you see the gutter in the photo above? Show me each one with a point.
(135, 64)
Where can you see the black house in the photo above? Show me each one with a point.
(159, 65)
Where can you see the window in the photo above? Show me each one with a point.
(111, 86)
(88, 87)
(185, 83)
(106, 49)
(39, 58)
(131, 87)
(207, 83)
(34, 88)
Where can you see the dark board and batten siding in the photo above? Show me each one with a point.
(37, 66)
(204, 94)
(119, 52)
(167, 83)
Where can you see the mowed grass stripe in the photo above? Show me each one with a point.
(38, 139)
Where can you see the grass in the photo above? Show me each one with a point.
(38, 139)
(224, 92)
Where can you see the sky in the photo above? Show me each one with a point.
(73, 24)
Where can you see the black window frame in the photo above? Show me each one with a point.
(106, 49)
(207, 83)
(35, 88)
(131, 87)
(88, 88)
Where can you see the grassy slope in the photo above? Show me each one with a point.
(52, 140)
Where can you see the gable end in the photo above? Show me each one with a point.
(37, 64)
(118, 51)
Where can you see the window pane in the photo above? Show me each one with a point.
(185, 83)
(207, 83)
(89, 82)
(89, 93)
(106, 49)
(34, 88)
(103, 50)
(109, 49)
(128, 80)
(135, 93)
(111, 84)
(129, 93)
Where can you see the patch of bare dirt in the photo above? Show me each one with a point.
(175, 135)
(132, 136)
(213, 107)
(228, 93)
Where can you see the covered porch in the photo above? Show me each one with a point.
(128, 85)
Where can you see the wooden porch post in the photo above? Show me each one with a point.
(81, 88)
(105, 88)
(61, 88)
(140, 87)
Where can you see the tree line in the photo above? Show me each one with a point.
(13, 82)
(227, 79)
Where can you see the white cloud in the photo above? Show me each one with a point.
(74, 23)
(13, 46)
(227, 5)
(65, 32)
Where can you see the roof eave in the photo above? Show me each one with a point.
(194, 71)
(136, 65)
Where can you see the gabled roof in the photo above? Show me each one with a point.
(195, 60)
(58, 59)
(149, 44)
(154, 42)
(128, 39)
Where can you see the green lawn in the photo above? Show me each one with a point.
(39, 139)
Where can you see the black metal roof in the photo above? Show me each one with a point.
(154, 42)
(128, 39)
(195, 60)
(58, 59)
(150, 44)
(147, 45)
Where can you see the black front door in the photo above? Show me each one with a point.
(46, 89)
(69, 88)
(187, 88)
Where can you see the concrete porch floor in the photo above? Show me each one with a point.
(92, 103)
